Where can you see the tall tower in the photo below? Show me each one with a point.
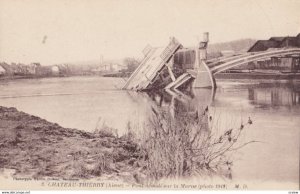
(204, 77)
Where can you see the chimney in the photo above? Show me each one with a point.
(205, 37)
(203, 44)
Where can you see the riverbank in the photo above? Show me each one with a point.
(36, 148)
(28, 77)
(235, 75)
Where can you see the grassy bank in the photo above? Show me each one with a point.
(37, 148)
(169, 148)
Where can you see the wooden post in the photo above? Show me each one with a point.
(169, 68)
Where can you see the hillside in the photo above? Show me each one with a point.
(237, 45)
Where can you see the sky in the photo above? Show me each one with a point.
(59, 31)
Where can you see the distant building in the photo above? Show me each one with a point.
(262, 45)
(290, 42)
(7, 68)
(44, 71)
(117, 67)
(18, 69)
(109, 67)
(55, 70)
(276, 42)
(31, 68)
(2, 70)
(283, 63)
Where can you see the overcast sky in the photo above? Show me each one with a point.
(57, 31)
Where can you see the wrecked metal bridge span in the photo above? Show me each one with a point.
(173, 67)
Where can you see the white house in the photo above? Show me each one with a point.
(55, 70)
(2, 70)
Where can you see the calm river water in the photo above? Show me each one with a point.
(86, 102)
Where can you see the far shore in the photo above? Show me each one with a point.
(257, 75)
(234, 75)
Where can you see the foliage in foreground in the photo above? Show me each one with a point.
(188, 146)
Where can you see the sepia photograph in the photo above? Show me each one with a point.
(149, 95)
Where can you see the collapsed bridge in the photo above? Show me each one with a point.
(174, 66)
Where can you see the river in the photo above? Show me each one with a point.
(87, 102)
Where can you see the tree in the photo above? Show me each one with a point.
(131, 63)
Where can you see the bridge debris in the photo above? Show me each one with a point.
(172, 67)
(179, 81)
(176, 68)
(152, 66)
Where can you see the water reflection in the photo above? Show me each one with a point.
(274, 109)
(179, 104)
(274, 96)
(183, 133)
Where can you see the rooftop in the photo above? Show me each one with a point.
(275, 42)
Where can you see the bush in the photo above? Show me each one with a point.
(187, 146)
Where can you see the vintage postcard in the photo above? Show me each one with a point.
(149, 95)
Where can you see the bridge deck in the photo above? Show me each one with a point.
(225, 64)
(151, 65)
